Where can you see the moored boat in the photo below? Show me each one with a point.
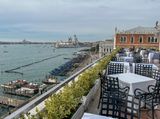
(21, 88)
(51, 80)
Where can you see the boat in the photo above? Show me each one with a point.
(66, 58)
(51, 80)
(14, 84)
(21, 88)
(5, 51)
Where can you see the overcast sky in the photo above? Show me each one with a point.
(52, 20)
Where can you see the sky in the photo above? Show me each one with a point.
(90, 20)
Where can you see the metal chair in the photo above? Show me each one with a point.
(150, 98)
(115, 106)
(111, 84)
(117, 59)
(156, 74)
(115, 68)
(144, 70)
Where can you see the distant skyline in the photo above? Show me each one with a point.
(90, 20)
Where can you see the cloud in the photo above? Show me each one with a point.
(90, 19)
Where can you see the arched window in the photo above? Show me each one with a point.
(152, 40)
(123, 39)
(149, 39)
(140, 39)
(155, 40)
(132, 39)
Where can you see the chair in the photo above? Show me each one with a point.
(111, 84)
(150, 98)
(114, 59)
(156, 74)
(117, 59)
(144, 60)
(122, 108)
(115, 68)
(144, 70)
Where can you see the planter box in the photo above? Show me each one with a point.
(79, 113)
(86, 100)
(91, 94)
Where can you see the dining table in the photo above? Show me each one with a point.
(134, 81)
(94, 116)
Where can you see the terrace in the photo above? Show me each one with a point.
(101, 93)
(130, 72)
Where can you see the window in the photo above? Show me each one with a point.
(140, 39)
(132, 39)
(152, 40)
(149, 39)
(123, 39)
(156, 40)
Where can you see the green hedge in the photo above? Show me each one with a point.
(63, 104)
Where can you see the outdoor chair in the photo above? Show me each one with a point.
(144, 70)
(121, 108)
(150, 98)
(144, 60)
(115, 68)
(111, 84)
(156, 74)
(114, 59)
(117, 59)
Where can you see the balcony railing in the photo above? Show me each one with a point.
(35, 102)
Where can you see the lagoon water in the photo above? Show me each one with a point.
(12, 56)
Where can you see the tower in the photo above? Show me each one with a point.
(114, 45)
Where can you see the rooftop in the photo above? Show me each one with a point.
(142, 30)
(145, 113)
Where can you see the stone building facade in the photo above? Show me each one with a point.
(105, 47)
(144, 37)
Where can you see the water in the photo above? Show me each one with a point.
(12, 56)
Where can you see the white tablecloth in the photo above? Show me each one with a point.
(94, 116)
(134, 81)
(128, 59)
(125, 59)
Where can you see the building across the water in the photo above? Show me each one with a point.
(143, 37)
(105, 47)
(71, 43)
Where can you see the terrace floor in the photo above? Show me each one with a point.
(92, 108)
